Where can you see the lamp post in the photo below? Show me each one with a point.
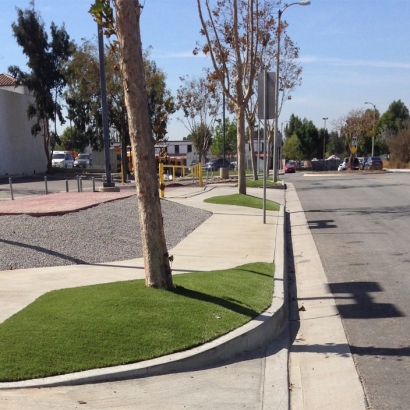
(257, 158)
(280, 12)
(374, 125)
(324, 138)
(281, 135)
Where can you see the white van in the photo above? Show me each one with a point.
(62, 159)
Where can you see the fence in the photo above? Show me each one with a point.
(195, 171)
(325, 164)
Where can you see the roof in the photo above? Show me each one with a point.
(7, 80)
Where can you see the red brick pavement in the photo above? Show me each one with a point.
(59, 203)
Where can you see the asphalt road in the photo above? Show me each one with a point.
(361, 226)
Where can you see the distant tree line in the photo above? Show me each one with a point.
(390, 131)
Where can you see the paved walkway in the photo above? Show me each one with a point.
(322, 372)
(241, 382)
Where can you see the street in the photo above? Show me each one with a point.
(360, 224)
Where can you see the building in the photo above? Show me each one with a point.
(180, 152)
(21, 153)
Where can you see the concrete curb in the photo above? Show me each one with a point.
(256, 333)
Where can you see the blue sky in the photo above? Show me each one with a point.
(351, 51)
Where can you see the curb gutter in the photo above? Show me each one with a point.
(254, 334)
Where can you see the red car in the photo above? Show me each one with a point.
(289, 167)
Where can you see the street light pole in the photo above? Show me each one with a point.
(281, 128)
(324, 138)
(374, 125)
(223, 128)
(108, 182)
(280, 12)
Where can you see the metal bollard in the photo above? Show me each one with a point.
(81, 184)
(11, 188)
(93, 184)
(66, 185)
(78, 183)
(45, 182)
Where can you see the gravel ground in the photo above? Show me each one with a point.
(106, 233)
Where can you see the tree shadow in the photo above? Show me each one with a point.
(44, 250)
(364, 306)
(226, 303)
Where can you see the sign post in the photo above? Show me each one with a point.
(353, 147)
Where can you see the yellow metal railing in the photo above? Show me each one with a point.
(195, 171)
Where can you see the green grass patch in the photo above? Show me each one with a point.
(243, 200)
(112, 324)
(259, 183)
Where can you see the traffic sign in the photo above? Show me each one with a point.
(353, 149)
(354, 141)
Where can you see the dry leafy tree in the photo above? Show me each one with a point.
(289, 78)
(230, 30)
(355, 124)
(126, 26)
(200, 104)
(241, 42)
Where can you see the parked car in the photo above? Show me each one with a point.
(362, 162)
(83, 161)
(373, 163)
(62, 159)
(345, 164)
(289, 167)
(215, 164)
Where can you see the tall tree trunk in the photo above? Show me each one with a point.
(46, 136)
(240, 125)
(156, 258)
(252, 149)
(269, 141)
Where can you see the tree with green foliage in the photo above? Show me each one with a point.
(336, 145)
(291, 149)
(47, 77)
(391, 122)
(72, 140)
(230, 138)
(310, 144)
(83, 95)
(294, 123)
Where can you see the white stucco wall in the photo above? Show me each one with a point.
(20, 152)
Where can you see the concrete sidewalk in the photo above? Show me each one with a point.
(322, 372)
(257, 379)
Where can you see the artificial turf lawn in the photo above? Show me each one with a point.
(250, 183)
(97, 326)
(243, 200)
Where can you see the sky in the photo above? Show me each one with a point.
(351, 51)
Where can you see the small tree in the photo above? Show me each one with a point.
(201, 138)
(291, 149)
(200, 105)
(230, 138)
(354, 124)
(47, 77)
(400, 146)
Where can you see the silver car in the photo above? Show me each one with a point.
(83, 161)
(62, 159)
